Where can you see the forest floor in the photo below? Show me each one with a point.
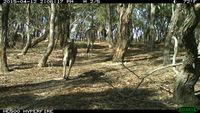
(97, 82)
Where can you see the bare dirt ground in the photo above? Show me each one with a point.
(97, 82)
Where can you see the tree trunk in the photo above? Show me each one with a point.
(66, 28)
(104, 34)
(44, 59)
(152, 29)
(171, 31)
(186, 80)
(123, 32)
(28, 43)
(147, 29)
(37, 41)
(14, 36)
(57, 28)
(62, 37)
(4, 10)
(110, 36)
(67, 31)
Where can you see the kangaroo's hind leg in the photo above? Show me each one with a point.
(65, 63)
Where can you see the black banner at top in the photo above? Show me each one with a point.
(98, 1)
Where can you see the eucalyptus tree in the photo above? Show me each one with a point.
(101, 20)
(39, 21)
(4, 11)
(28, 43)
(109, 21)
(171, 32)
(44, 58)
(63, 27)
(123, 39)
(152, 26)
(20, 21)
(162, 20)
(17, 19)
(187, 78)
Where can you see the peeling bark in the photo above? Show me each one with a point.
(123, 32)
(186, 80)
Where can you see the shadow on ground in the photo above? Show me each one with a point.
(66, 95)
(21, 66)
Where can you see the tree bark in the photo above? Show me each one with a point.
(171, 31)
(44, 59)
(147, 29)
(123, 32)
(28, 43)
(103, 34)
(152, 29)
(67, 31)
(62, 35)
(186, 80)
(66, 28)
(110, 36)
(4, 10)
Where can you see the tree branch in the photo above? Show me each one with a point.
(175, 53)
(146, 75)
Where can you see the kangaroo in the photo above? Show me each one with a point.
(90, 34)
(70, 52)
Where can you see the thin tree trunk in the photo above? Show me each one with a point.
(57, 29)
(28, 43)
(104, 34)
(44, 59)
(152, 29)
(4, 10)
(67, 32)
(186, 80)
(62, 37)
(147, 29)
(14, 36)
(171, 31)
(110, 36)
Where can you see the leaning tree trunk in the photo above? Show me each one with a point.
(171, 31)
(40, 39)
(123, 34)
(4, 10)
(186, 80)
(28, 43)
(44, 59)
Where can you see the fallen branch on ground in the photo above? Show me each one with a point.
(131, 71)
(143, 78)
